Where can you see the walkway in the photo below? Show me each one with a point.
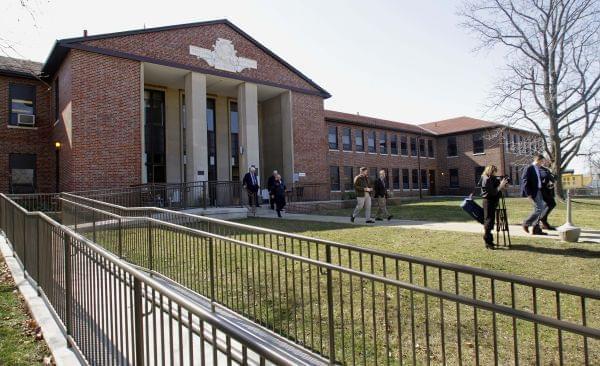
(587, 235)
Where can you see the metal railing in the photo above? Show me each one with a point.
(307, 192)
(176, 196)
(113, 313)
(351, 304)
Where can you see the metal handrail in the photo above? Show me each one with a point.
(193, 308)
(536, 318)
(536, 283)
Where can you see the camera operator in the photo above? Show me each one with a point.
(491, 187)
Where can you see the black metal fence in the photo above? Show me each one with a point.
(113, 313)
(176, 196)
(352, 304)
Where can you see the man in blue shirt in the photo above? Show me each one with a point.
(531, 187)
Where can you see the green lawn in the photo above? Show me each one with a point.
(18, 345)
(586, 213)
(291, 298)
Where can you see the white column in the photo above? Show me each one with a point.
(195, 128)
(248, 119)
(287, 136)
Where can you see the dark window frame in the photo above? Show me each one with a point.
(348, 178)
(413, 147)
(414, 178)
(478, 143)
(11, 93)
(334, 178)
(394, 144)
(403, 145)
(451, 146)
(422, 149)
(396, 178)
(372, 147)
(348, 146)
(424, 179)
(405, 179)
(383, 143)
(430, 150)
(332, 145)
(453, 181)
(359, 133)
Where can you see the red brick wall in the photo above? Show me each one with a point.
(310, 138)
(27, 141)
(106, 99)
(173, 46)
(387, 161)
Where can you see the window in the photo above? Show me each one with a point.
(514, 143)
(383, 142)
(211, 136)
(22, 173)
(373, 174)
(56, 100)
(453, 178)
(396, 178)
(452, 149)
(405, 179)
(403, 146)
(510, 172)
(517, 181)
(415, 179)
(394, 144)
(334, 178)
(22, 101)
(371, 142)
(478, 171)
(507, 141)
(422, 148)
(359, 143)
(332, 138)
(348, 179)
(388, 178)
(521, 150)
(430, 148)
(424, 184)
(413, 146)
(478, 143)
(234, 127)
(347, 139)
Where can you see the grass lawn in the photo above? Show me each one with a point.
(586, 213)
(18, 344)
(373, 321)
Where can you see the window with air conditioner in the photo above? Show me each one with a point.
(22, 105)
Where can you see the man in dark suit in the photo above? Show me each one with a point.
(250, 182)
(548, 181)
(531, 187)
(381, 195)
(271, 188)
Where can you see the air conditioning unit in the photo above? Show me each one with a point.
(26, 120)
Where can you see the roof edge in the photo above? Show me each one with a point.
(64, 43)
(375, 125)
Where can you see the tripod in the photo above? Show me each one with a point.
(502, 223)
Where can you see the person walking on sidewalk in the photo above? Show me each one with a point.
(548, 181)
(279, 194)
(362, 187)
(381, 195)
(531, 187)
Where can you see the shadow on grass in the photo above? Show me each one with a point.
(569, 252)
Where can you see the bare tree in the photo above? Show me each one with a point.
(552, 83)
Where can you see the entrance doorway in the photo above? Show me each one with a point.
(22, 177)
(154, 135)
(432, 182)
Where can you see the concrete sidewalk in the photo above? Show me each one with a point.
(587, 235)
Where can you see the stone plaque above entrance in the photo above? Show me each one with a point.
(223, 56)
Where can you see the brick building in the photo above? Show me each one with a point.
(203, 101)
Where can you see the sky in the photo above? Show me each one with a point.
(408, 61)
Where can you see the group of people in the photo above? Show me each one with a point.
(275, 187)
(364, 188)
(537, 184)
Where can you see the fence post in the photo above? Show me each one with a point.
(24, 259)
(330, 307)
(68, 285)
(37, 257)
(93, 226)
(138, 322)
(204, 191)
(150, 259)
(211, 255)
(120, 248)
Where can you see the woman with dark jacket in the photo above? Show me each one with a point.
(490, 192)
(279, 193)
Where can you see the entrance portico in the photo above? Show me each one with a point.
(211, 127)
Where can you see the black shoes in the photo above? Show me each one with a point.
(547, 226)
(278, 213)
(378, 219)
(490, 246)
(390, 217)
(351, 218)
(370, 222)
(537, 231)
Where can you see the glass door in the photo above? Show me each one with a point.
(154, 135)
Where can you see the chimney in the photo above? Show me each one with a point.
(85, 32)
